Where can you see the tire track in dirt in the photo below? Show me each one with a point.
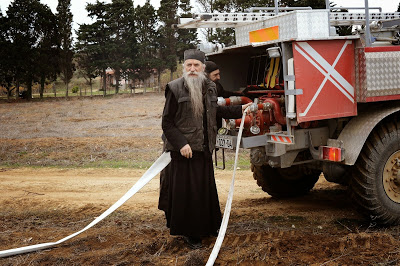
(280, 243)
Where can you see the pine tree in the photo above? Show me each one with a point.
(121, 26)
(147, 39)
(48, 48)
(187, 37)
(98, 35)
(6, 77)
(65, 29)
(86, 55)
(24, 33)
(167, 14)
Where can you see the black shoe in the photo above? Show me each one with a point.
(193, 242)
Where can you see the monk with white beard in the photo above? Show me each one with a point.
(188, 193)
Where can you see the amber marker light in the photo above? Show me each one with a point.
(331, 154)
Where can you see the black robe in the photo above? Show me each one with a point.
(188, 193)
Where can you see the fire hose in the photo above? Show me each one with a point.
(156, 168)
(228, 205)
(158, 165)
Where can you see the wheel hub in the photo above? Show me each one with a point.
(391, 177)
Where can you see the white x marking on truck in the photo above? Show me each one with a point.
(327, 70)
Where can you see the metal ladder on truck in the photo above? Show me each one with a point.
(381, 26)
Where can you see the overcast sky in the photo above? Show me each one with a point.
(80, 14)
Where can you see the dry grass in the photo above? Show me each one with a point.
(110, 132)
(114, 132)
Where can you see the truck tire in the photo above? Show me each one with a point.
(285, 182)
(375, 185)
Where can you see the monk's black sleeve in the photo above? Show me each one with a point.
(171, 132)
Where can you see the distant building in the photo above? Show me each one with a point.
(125, 84)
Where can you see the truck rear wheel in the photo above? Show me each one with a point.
(285, 182)
(375, 184)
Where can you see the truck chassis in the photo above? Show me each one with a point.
(321, 102)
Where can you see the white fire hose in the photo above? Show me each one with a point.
(228, 205)
(158, 165)
(156, 168)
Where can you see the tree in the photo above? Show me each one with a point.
(6, 78)
(24, 34)
(66, 54)
(48, 48)
(85, 56)
(120, 22)
(147, 41)
(398, 8)
(167, 16)
(224, 36)
(98, 36)
(109, 42)
(86, 68)
(187, 37)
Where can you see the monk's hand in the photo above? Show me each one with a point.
(245, 106)
(186, 151)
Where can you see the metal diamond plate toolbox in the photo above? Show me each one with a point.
(382, 73)
(312, 25)
(360, 71)
(297, 25)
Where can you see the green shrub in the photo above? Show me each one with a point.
(75, 89)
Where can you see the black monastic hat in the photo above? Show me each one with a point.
(194, 54)
(211, 66)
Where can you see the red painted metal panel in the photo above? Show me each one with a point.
(382, 49)
(325, 70)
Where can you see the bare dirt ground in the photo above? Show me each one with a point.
(64, 162)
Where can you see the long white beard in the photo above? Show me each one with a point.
(195, 85)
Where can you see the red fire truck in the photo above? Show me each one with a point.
(321, 102)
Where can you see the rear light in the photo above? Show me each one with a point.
(333, 154)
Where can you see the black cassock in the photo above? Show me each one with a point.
(188, 193)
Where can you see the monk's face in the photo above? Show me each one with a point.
(193, 67)
(193, 73)
(214, 75)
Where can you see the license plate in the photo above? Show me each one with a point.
(224, 142)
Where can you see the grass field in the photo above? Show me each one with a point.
(112, 132)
